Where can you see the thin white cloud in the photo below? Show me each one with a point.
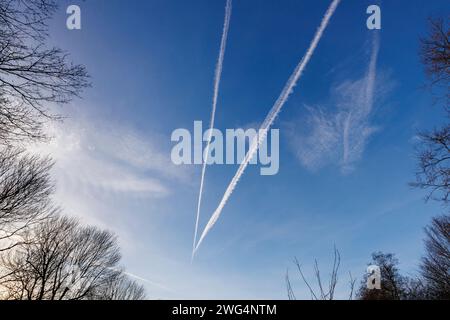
(88, 156)
(341, 136)
(98, 162)
(134, 150)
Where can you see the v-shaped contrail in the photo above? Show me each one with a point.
(217, 77)
(270, 118)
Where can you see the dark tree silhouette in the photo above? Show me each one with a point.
(32, 75)
(119, 287)
(435, 55)
(436, 263)
(63, 260)
(393, 284)
(434, 152)
(25, 189)
(434, 164)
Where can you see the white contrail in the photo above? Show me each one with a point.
(270, 118)
(153, 283)
(217, 77)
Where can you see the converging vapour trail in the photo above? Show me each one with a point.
(217, 76)
(287, 90)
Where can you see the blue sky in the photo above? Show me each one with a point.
(152, 66)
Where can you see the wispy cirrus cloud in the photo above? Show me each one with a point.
(341, 135)
(108, 158)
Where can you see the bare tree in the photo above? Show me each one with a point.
(63, 260)
(435, 55)
(25, 190)
(290, 291)
(436, 263)
(434, 164)
(323, 292)
(434, 152)
(434, 168)
(416, 289)
(352, 286)
(32, 76)
(119, 287)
